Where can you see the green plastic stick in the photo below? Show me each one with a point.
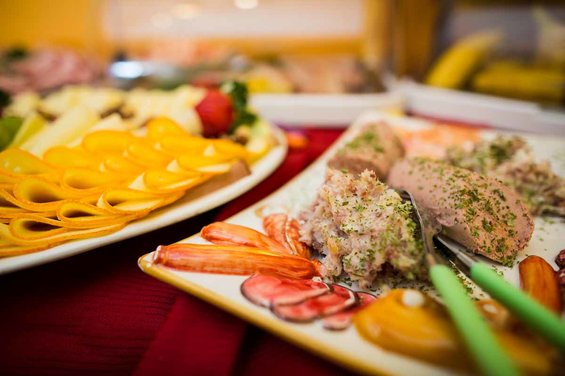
(488, 355)
(530, 311)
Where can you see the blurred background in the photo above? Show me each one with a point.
(513, 49)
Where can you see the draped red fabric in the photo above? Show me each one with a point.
(98, 314)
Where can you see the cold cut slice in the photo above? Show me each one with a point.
(479, 212)
(342, 320)
(375, 147)
(268, 289)
(339, 299)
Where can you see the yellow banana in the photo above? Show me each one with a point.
(455, 66)
(517, 80)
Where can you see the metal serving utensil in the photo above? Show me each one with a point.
(539, 318)
(452, 253)
(480, 341)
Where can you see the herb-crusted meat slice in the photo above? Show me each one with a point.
(479, 212)
(360, 225)
(375, 147)
(510, 160)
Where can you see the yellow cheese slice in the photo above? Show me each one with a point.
(163, 181)
(16, 164)
(119, 164)
(159, 127)
(103, 142)
(183, 144)
(129, 201)
(78, 214)
(39, 195)
(30, 232)
(212, 165)
(80, 182)
(143, 153)
(65, 157)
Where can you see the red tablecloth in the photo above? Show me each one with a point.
(98, 313)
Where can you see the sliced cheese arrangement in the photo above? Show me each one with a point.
(84, 173)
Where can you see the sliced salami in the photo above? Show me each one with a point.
(342, 320)
(337, 300)
(267, 289)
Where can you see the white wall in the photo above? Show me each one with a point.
(130, 19)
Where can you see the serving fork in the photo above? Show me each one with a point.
(449, 256)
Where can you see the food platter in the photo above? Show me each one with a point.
(182, 209)
(348, 347)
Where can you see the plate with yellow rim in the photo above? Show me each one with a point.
(347, 347)
(188, 206)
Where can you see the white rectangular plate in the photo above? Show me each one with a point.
(322, 110)
(346, 347)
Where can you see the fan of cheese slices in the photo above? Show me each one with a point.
(82, 175)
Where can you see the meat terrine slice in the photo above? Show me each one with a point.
(479, 212)
(359, 225)
(375, 147)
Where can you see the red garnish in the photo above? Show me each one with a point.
(216, 113)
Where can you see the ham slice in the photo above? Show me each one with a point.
(337, 300)
(342, 320)
(267, 290)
